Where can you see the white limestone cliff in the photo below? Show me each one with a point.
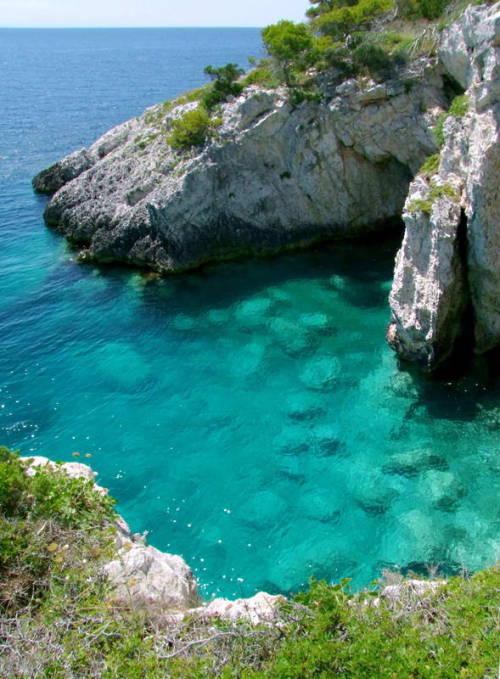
(447, 275)
(273, 176)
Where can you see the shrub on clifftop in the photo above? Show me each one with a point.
(190, 130)
(224, 84)
(48, 522)
(286, 42)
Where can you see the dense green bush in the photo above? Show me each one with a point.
(262, 74)
(451, 633)
(45, 495)
(286, 43)
(224, 84)
(190, 130)
(371, 58)
(346, 17)
(418, 9)
(40, 516)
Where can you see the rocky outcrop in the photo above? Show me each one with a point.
(144, 577)
(447, 274)
(272, 175)
(75, 470)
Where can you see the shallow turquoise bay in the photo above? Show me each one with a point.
(249, 416)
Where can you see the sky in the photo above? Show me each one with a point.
(105, 13)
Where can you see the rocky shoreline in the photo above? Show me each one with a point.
(143, 577)
(276, 175)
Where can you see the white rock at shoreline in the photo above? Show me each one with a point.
(144, 577)
(260, 608)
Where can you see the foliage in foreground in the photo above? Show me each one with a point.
(62, 625)
(449, 634)
(49, 522)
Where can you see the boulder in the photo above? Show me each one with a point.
(144, 577)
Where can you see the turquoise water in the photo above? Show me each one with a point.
(249, 416)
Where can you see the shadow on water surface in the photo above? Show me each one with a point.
(362, 263)
(460, 390)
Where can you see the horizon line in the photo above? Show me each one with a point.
(63, 28)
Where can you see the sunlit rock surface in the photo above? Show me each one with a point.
(447, 275)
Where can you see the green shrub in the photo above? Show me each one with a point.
(438, 130)
(443, 190)
(286, 42)
(419, 205)
(224, 84)
(371, 58)
(459, 106)
(190, 130)
(432, 9)
(421, 9)
(452, 634)
(436, 192)
(297, 96)
(345, 17)
(192, 95)
(49, 495)
(39, 518)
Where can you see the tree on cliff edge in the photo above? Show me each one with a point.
(285, 42)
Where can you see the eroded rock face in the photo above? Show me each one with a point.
(144, 577)
(430, 292)
(449, 261)
(273, 176)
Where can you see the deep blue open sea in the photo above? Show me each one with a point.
(250, 416)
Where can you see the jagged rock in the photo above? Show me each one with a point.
(54, 177)
(145, 577)
(273, 175)
(429, 293)
(261, 608)
(449, 259)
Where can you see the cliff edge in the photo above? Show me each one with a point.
(274, 173)
(446, 289)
